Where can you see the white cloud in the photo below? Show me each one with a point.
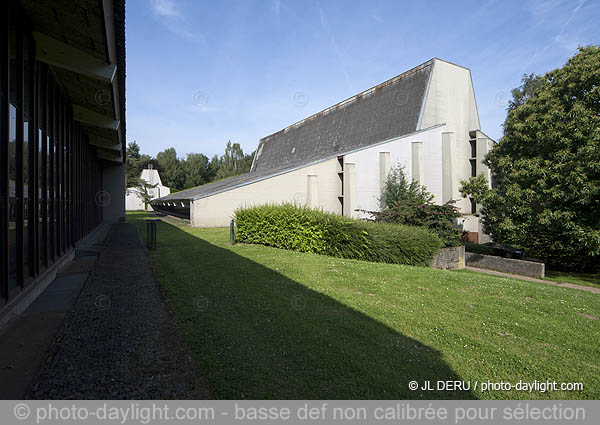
(202, 109)
(568, 20)
(276, 8)
(322, 18)
(547, 14)
(377, 18)
(166, 8)
(174, 20)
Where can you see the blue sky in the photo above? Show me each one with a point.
(200, 73)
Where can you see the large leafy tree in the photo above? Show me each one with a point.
(527, 89)
(232, 161)
(213, 168)
(195, 168)
(548, 166)
(136, 162)
(171, 169)
(133, 156)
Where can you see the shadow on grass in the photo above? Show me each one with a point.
(257, 334)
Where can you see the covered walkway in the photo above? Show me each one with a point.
(118, 341)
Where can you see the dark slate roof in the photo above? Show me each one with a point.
(390, 109)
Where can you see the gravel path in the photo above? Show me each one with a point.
(119, 342)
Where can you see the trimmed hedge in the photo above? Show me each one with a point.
(304, 229)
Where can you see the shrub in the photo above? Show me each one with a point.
(304, 229)
(400, 244)
(399, 189)
(437, 218)
(409, 203)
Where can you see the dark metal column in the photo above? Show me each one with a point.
(44, 166)
(33, 178)
(51, 171)
(19, 192)
(4, 134)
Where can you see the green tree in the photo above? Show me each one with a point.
(248, 161)
(548, 165)
(232, 161)
(195, 169)
(398, 188)
(529, 85)
(136, 162)
(133, 156)
(213, 168)
(171, 169)
(145, 160)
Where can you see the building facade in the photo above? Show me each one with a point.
(62, 132)
(425, 120)
(134, 201)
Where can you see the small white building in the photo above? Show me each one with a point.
(425, 119)
(133, 199)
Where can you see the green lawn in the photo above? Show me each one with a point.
(585, 279)
(267, 323)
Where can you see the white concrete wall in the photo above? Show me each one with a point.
(484, 145)
(217, 210)
(451, 100)
(151, 176)
(472, 222)
(134, 202)
(113, 200)
(367, 167)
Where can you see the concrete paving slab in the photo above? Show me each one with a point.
(69, 282)
(81, 264)
(24, 343)
(25, 340)
(53, 301)
(119, 341)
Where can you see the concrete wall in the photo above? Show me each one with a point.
(368, 167)
(320, 185)
(506, 265)
(449, 258)
(113, 197)
(470, 222)
(451, 100)
(133, 200)
(217, 210)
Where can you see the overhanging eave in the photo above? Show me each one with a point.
(62, 55)
(89, 117)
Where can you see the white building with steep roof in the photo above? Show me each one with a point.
(425, 119)
(133, 199)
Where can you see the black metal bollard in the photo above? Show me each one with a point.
(151, 233)
(232, 232)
